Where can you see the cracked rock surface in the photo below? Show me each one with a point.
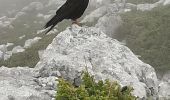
(77, 47)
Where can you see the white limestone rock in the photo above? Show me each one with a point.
(5, 21)
(1, 55)
(30, 42)
(146, 7)
(94, 15)
(166, 2)
(21, 37)
(19, 84)
(99, 3)
(164, 86)
(33, 6)
(3, 48)
(105, 18)
(4, 53)
(9, 44)
(18, 49)
(105, 58)
(109, 23)
(164, 90)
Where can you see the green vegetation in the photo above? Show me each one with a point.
(141, 1)
(90, 90)
(30, 57)
(148, 35)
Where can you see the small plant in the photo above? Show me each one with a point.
(91, 90)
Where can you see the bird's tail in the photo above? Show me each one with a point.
(52, 23)
(49, 29)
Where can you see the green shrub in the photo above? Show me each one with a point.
(148, 34)
(91, 90)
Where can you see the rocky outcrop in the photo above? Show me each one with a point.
(4, 53)
(20, 84)
(30, 42)
(18, 49)
(79, 47)
(67, 56)
(106, 18)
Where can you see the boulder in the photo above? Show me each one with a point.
(78, 48)
(20, 84)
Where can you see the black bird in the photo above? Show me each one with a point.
(71, 9)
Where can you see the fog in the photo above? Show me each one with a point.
(21, 20)
(9, 7)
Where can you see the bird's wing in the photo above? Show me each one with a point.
(68, 8)
(63, 13)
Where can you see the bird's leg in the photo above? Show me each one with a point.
(76, 22)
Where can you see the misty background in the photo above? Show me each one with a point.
(146, 33)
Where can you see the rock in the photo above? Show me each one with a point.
(78, 47)
(5, 21)
(109, 23)
(9, 44)
(166, 2)
(48, 83)
(19, 84)
(131, 6)
(3, 48)
(7, 55)
(54, 3)
(145, 7)
(30, 42)
(164, 90)
(18, 49)
(33, 6)
(99, 3)
(94, 15)
(1, 55)
(105, 18)
(4, 53)
(54, 31)
(20, 14)
(21, 37)
(166, 77)
(164, 86)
